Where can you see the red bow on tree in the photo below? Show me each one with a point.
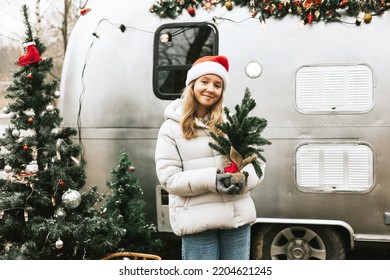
(232, 168)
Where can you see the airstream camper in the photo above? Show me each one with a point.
(323, 88)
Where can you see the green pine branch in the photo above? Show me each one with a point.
(242, 132)
(26, 16)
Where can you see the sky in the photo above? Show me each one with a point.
(11, 19)
(12, 28)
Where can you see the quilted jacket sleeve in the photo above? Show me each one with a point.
(253, 179)
(169, 168)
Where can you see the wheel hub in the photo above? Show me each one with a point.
(298, 249)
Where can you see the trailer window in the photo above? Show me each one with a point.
(334, 89)
(334, 167)
(176, 47)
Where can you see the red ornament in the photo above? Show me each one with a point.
(297, 3)
(25, 147)
(309, 18)
(29, 76)
(31, 56)
(84, 11)
(343, 3)
(191, 11)
(30, 120)
(61, 183)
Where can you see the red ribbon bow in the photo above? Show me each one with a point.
(232, 168)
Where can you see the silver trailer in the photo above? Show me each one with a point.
(323, 87)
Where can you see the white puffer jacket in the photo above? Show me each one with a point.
(187, 170)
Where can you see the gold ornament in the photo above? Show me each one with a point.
(307, 4)
(272, 8)
(367, 17)
(253, 12)
(229, 5)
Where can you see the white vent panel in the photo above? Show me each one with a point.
(334, 167)
(334, 89)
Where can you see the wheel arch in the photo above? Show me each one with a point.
(342, 227)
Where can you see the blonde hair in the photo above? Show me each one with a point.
(190, 104)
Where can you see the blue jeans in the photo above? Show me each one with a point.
(232, 244)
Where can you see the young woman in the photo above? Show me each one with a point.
(213, 221)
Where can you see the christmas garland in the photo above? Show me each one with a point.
(307, 10)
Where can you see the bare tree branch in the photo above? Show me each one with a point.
(38, 17)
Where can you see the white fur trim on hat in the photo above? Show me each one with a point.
(28, 44)
(207, 67)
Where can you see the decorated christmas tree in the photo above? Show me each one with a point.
(43, 214)
(242, 142)
(126, 201)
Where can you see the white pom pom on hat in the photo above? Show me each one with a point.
(218, 65)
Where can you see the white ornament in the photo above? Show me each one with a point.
(5, 110)
(59, 244)
(7, 168)
(57, 93)
(49, 108)
(60, 213)
(71, 199)
(56, 130)
(15, 133)
(32, 167)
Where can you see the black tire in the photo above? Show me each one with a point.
(297, 242)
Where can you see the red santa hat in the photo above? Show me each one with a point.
(218, 65)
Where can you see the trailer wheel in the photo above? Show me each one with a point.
(297, 242)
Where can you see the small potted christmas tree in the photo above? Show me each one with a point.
(242, 142)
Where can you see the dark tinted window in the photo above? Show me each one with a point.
(176, 47)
